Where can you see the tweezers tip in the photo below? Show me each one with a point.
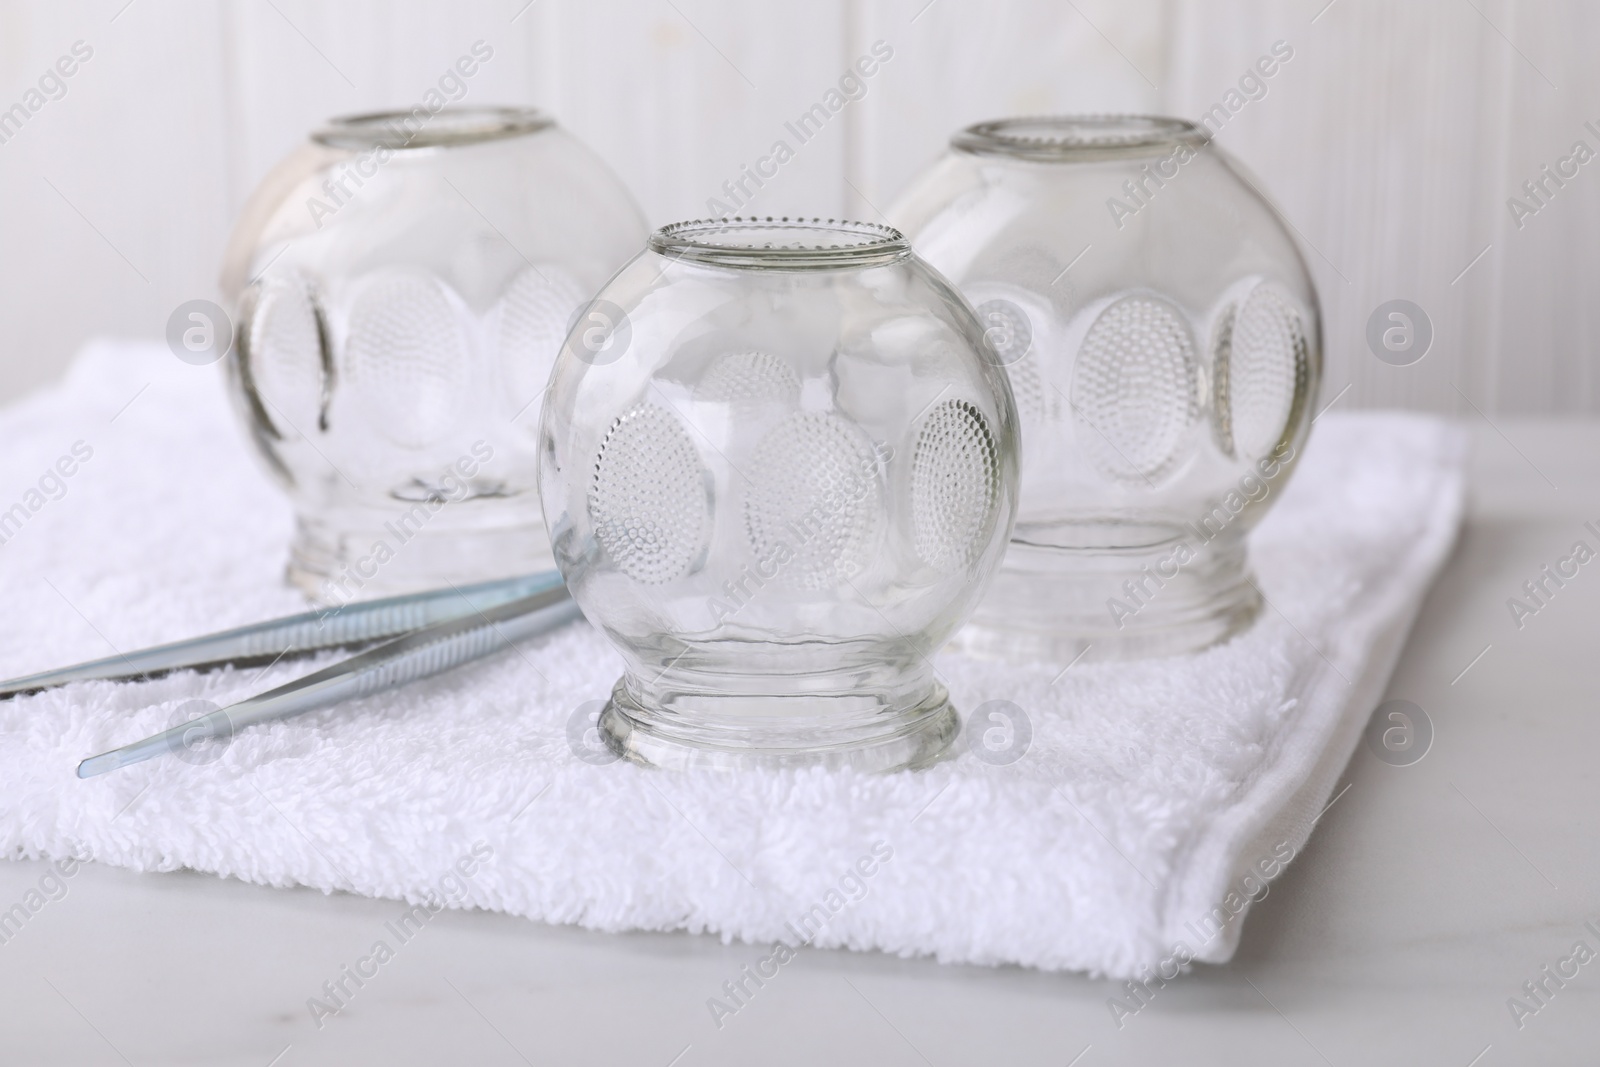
(97, 765)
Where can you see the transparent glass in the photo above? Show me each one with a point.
(778, 476)
(400, 287)
(1163, 340)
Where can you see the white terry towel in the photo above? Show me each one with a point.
(1153, 797)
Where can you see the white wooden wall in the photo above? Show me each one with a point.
(1391, 141)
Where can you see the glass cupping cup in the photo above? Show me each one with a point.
(1163, 340)
(778, 473)
(401, 285)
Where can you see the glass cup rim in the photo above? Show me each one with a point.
(1078, 137)
(759, 243)
(449, 127)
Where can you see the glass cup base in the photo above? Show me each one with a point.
(814, 725)
(1053, 605)
(337, 566)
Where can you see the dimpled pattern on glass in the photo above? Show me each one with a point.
(283, 342)
(1260, 369)
(1133, 389)
(533, 322)
(647, 498)
(1020, 331)
(955, 482)
(749, 381)
(814, 484)
(407, 359)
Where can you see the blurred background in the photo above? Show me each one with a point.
(1394, 140)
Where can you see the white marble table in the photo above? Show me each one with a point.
(1427, 897)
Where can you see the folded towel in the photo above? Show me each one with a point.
(1152, 800)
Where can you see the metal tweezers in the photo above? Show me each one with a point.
(422, 634)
